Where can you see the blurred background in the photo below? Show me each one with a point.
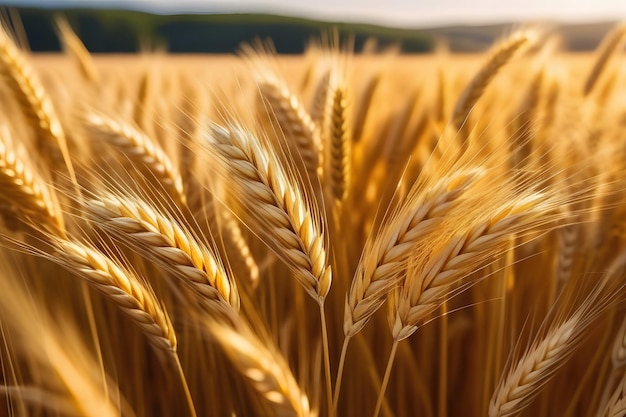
(220, 26)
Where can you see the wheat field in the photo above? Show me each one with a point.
(332, 234)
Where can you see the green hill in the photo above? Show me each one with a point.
(105, 31)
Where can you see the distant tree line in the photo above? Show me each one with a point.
(114, 31)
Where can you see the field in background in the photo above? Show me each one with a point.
(325, 234)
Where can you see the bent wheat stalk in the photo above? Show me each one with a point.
(607, 49)
(71, 43)
(436, 271)
(383, 259)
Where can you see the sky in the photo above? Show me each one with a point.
(406, 13)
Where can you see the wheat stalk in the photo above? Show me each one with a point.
(364, 105)
(239, 241)
(320, 99)
(532, 371)
(619, 347)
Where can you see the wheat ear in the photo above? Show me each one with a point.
(383, 258)
(363, 106)
(138, 147)
(466, 252)
(320, 98)
(72, 44)
(177, 251)
(34, 102)
(567, 244)
(266, 370)
(237, 238)
(619, 347)
(522, 383)
(607, 49)
(290, 221)
(339, 141)
(616, 406)
(498, 58)
(24, 193)
(530, 373)
(123, 288)
(301, 133)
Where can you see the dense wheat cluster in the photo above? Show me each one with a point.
(327, 235)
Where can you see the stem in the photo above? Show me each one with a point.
(383, 388)
(91, 318)
(342, 361)
(183, 380)
(329, 387)
(443, 362)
